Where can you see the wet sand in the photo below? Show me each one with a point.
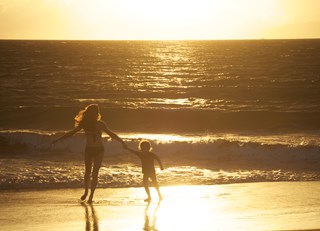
(248, 206)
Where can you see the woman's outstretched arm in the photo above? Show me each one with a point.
(112, 134)
(68, 134)
(132, 151)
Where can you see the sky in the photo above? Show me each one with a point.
(159, 19)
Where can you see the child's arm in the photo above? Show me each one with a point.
(159, 161)
(68, 134)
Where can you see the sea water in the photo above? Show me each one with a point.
(214, 111)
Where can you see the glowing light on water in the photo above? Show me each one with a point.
(190, 102)
(162, 138)
(187, 208)
(174, 101)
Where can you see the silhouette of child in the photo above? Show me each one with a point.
(147, 161)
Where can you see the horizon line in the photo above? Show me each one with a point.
(227, 39)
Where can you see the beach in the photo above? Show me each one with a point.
(247, 206)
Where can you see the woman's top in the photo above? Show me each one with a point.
(94, 135)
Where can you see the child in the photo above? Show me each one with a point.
(147, 161)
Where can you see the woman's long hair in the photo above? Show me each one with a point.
(88, 117)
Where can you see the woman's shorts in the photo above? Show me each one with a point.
(94, 151)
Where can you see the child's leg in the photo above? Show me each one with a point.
(146, 186)
(155, 184)
(88, 167)
(95, 172)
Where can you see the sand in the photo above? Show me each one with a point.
(248, 206)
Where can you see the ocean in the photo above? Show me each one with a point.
(216, 112)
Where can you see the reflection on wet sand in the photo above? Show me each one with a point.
(150, 217)
(92, 221)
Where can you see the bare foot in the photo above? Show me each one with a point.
(84, 196)
(90, 199)
(148, 199)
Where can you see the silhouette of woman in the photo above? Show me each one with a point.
(90, 121)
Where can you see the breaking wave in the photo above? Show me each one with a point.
(29, 160)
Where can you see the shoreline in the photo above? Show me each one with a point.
(56, 187)
(246, 206)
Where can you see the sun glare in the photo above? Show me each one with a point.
(167, 19)
(165, 11)
(158, 19)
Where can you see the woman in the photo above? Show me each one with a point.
(90, 121)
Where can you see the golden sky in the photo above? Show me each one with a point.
(159, 19)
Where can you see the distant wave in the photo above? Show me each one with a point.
(257, 151)
(164, 120)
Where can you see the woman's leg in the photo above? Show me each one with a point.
(95, 172)
(88, 167)
(146, 186)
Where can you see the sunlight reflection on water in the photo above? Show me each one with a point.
(233, 207)
(159, 137)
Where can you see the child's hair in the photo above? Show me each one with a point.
(145, 143)
(88, 116)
